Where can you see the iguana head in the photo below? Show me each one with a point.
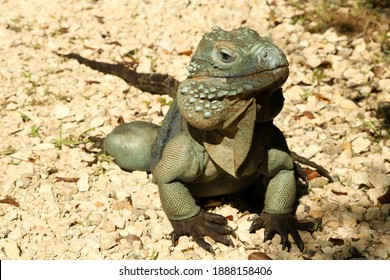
(227, 72)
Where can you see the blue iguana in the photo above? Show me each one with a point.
(217, 138)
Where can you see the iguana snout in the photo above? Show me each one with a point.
(270, 56)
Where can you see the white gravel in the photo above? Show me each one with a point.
(62, 204)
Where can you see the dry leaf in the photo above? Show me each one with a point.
(99, 204)
(385, 198)
(339, 193)
(336, 241)
(11, 201)
(308, 115)
(67, 179)
(187, 53)
(321, 97)
(259, 256)
(311, 174)
(131, 238)
(123, 204)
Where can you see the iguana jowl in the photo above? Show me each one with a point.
(217, 137)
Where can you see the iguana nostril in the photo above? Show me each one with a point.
(265, 54)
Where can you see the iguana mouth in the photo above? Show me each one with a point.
(219, 88)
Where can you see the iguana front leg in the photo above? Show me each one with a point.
(182, 161)
(277, 215)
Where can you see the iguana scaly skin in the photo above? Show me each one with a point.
(217, 138)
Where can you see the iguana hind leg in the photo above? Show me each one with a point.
(130, 145)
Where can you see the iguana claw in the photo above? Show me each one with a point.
(212, 225)
(282, 224)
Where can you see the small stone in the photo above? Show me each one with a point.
(360, 144)
(67, 190)
(107, 242)
(294, 93)
(373, 194)
(76, 245)
(96, 122)
(381, 251)
(120, 222)
(11, 249)
(384, 85)
(378, 180)
(16, 233)
(109, 226)
(244, 236)
(345, 103)
(61, 111)
(95, 219)
(372, 213)
(83, 183)
(316, 213)
(92, 241)
(10, 216)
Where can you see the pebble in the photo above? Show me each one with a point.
(107, 242)
(67, 190)
(76, 244)
(11, 249)
(10, 216)
(95, 218)
(83, 182)
(372, 213)
(109, 226)
(381, 251)
(92, 241)
(360, 144)
(379, 181)
(120, 222)
(61, 111)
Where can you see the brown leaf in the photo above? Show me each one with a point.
(10, 200)
(379, 71)
(259, 256)
(336, 241)
(245, 213)
(325, 64)
(67, 179)
(187, 53)
(385, 198)
(123, 204)
(99, 204)
(339, 193)
(321, 97)
(120, 120)
(311, 174)
(90, 82)
(308, 115)
(131, 238)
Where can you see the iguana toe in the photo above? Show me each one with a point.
(212, 225)
(282, 224)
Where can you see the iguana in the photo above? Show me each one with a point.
(217, 138)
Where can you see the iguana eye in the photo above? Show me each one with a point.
(225, 55)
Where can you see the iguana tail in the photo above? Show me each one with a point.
(153, 83)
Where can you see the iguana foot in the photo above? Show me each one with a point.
(212, 225)
(282, 224)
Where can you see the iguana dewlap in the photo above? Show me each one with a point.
(218, 138)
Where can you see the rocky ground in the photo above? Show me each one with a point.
(62, 199)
